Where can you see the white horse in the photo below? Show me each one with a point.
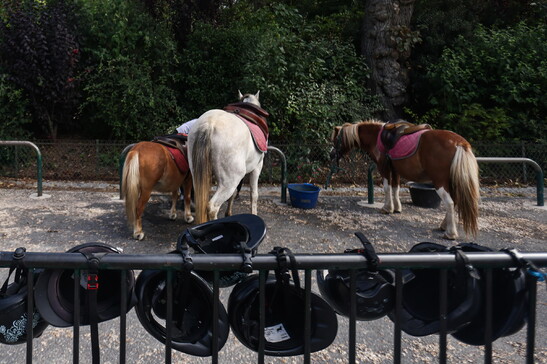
(220, 144)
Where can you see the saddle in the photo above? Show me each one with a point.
(393, 130)
(251, 113)
(177, 141)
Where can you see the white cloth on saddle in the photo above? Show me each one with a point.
(185, 128)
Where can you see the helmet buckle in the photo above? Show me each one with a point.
(92, 281)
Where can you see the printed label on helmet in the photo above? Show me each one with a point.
(217, 237)
(276, 333)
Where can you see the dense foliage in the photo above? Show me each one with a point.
(491, 86)
(480, 68)
(309, 82)
(39, 54)
(14, 114)
(132, 69)
(131, 72)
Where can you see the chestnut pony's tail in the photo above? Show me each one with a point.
(464, 182)
(131, 185)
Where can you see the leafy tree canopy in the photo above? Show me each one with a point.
(310, 79)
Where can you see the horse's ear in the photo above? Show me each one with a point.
(257, 94)
(240, 96)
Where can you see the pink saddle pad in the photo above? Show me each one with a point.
(405, 147)
(259, 138)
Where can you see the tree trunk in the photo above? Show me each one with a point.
(386, 46)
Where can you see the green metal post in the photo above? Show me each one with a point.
(284, 183)
(38, 159)
(39, 172)
(540, 188)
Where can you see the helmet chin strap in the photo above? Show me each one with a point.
(369, 253)
(92, 287)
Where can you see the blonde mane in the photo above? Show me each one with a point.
(350, 132)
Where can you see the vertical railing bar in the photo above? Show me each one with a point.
(398, 310)
(169, 318)
(442, 313)
(531, 283)
(352, 316)
(76, 319)
(123, 316)
(488, 318)
(307, 318)
(30, 313)
(216, 300)
(262, 318)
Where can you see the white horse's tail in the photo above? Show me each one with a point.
(131, 185)
(201, 172)
(464, 181)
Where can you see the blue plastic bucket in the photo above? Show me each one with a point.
(303, 195)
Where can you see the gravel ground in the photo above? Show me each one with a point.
(69, 214)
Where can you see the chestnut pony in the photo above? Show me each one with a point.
(442, 157)
(149, 167)
(221, 145)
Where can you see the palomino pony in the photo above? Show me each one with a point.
(441, 157)
(150, 167)
(221, 144)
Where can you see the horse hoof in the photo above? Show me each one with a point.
(450, 236)
(385, 212)
(139, 236)
(173, 216)
(397, 211)
(189, 220)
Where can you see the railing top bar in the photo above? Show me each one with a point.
(267, 261)
(21, 142)
(510, 159)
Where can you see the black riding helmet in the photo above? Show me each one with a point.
(54, 293)
(237, 234)
(13, 307)
(375, 293)
(284, 319)
(420, 314)
(509, 308)
(192, 311)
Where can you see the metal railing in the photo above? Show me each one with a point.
(540, 186)
(283, 181)
(38, 160)
(539, 172)
(303, 262)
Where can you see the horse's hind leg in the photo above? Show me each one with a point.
(449, 221)
(388, 199)
(395, 186)
(222, 194)
(138, 233)
(173, 210)
(253, 182)
(187, 186)
(230, 204)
